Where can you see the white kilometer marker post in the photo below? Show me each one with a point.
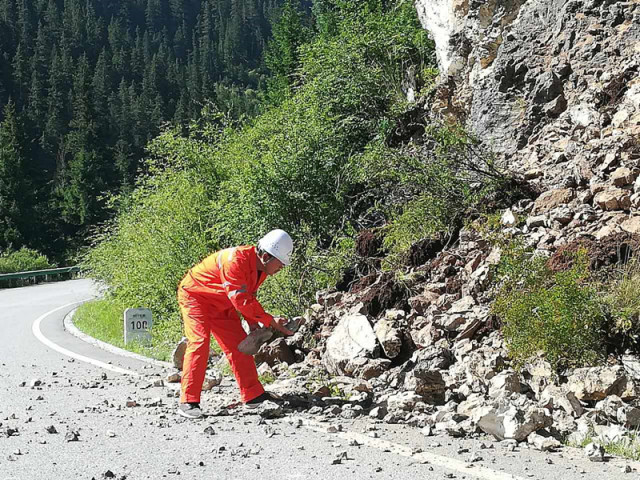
(137, 325)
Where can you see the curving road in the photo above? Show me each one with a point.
(83, 390)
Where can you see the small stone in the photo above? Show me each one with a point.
(340, 458)
(509, 219)
(35, 383)
(154, 402)
(111, 433)
(209, 430)
(594, 452)
(296, 422)
(474, 457)
(543, 443)
(51, 429)
(270, 409)
(211, 382)
(72, 436)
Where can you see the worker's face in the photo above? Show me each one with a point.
(273, 266)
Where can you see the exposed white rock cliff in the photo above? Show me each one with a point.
(444, 19)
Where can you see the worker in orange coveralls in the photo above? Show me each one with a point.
(210, 297)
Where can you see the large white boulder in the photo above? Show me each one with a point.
(507, 421)
(353, 337)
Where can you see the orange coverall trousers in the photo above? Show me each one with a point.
(200, 321)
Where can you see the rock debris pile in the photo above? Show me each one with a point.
(553, 86)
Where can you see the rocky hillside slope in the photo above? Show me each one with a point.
(552, 87)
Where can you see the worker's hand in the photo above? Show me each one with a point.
(278, 325)
(253, 326)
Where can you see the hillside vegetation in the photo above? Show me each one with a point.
(334, 156)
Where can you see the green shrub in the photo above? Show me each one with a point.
(430, 190)
(23, 260)
(622, 297)
(267, 378)
(146, 251)
(313, 269)
(289, 168)
(558, 315)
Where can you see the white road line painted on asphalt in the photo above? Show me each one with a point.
(35, 328)
(469, 469)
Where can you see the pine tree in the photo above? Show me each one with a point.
(94, 32)
(56, 118)
(282, 57)
(79, 180)
(12, 187)
(8, 39)
(37, 98)
(37, 105)
(100, 88)
(153, 15)
(21, 76)
(53, 19)
(26, 25)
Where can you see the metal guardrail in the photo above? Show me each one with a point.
(38, 273)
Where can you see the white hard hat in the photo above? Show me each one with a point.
(279, 244)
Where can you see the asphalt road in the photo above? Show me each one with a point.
(84, 391)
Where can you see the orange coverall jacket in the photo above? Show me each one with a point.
(228, 280)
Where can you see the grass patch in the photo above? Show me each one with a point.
(103, 320)
(626, 447)
(267, 378)
(225, 369)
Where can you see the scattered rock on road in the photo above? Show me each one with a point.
(594, 452)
